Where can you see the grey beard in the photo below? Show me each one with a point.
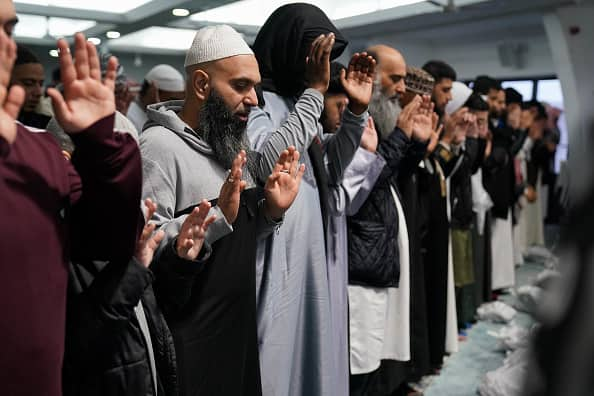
(224, 132)
(384, 110)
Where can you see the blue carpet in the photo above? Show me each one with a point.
(462, 372)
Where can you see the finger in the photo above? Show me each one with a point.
(314, 48)
(329, 43)
(300, 173)
(111, 73)
(343, 77)
(295, 165)
(372, 65)
(146, 232)
(242, 185)
(94, 68)
(152, 208)
(156, 239)
(14, 101)
(202, 212)
(81, 57)
(371, 123)
(439, 129)
(67, 71)
(208, 222)
(61, 110)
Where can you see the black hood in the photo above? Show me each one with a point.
(283, 43)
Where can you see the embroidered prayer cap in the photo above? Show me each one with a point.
(418, 81)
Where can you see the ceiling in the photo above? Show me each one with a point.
(150, 26)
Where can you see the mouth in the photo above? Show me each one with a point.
(243, 117)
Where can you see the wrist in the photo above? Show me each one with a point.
(272, 212)
(357, 108)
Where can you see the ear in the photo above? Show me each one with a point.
(201, 84)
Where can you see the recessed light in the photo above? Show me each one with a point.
(54, 53)
(94, 40)
(180, 12)
(112, 34)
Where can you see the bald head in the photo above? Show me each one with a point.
(392, 69)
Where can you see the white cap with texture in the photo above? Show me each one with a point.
(166, 78)
(460, 94)
(216, 42)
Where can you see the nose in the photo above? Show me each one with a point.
(401, 87)
(251, 99)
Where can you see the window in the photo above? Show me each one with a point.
(525, 88)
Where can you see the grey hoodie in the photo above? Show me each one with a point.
(179, 171)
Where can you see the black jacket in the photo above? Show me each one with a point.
(106, 352)
(461, 167)
(210, 307)
(499, 175)
(373, 231)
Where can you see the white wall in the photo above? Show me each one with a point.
(472, 59)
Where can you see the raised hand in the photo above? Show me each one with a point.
(86, 98)
(423, 120)
(148, 242)
(230, 193)
(193, 231)
(369, 139)
(358, 81)
(405, 119)
(10, 100)
(317, 63)
(283, 183)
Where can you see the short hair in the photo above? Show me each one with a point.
(439, 70)
(483, 84)
(541, 111)
(24, 56)
(476, 103)
(335, 87)
(513, 96)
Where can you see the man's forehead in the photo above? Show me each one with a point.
(239, 66)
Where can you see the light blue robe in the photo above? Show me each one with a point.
(302, 293)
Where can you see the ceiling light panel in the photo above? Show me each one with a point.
(113, 6)
(156, 37)
(255, 12)
(36, 26)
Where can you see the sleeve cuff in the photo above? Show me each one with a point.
(315, 93)
(99, 132)
(219, 228)
(183, 266)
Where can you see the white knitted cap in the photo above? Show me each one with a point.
(166, 78)
(460, 94)
(214, 43)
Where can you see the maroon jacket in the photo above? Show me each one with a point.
(53, 210)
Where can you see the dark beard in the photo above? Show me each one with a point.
(224, 132)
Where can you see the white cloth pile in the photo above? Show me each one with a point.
(508, 380)
(542, 255)
(496, 311)
(512, 337)
(528, 298)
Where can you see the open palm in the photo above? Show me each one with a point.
(283, 183)
(86, 98)
(358, 81)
